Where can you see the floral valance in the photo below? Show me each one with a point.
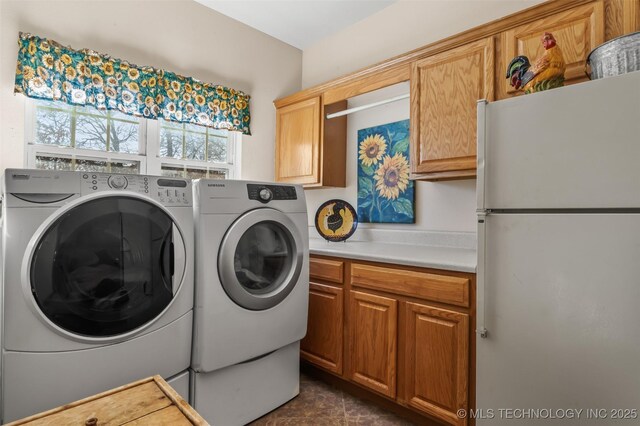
(48, 70)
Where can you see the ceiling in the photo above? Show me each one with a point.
(299, 23)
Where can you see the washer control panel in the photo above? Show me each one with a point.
(266, 193)
(167, 191)
(174, 191)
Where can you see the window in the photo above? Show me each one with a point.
(67, 137)
(192, 145)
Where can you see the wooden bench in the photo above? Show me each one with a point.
(149, 401)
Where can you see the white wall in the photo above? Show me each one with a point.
(177, 35)
(439, 206)
(399, 28)
(403, 26)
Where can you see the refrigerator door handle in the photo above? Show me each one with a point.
(481, 140)
(480, 277)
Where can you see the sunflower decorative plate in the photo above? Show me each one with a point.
(336, 220)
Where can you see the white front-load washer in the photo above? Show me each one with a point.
(252, 289)
(97, 285)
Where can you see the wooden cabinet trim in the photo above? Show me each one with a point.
(326, 269)
(388, 355)
(452, 175)
(482, 31)
(368, 84)
(328, 351)
(458, 323)
(440, 288)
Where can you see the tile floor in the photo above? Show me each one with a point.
(320, 404)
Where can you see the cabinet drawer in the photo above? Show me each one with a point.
(327, 270)
(436, 287)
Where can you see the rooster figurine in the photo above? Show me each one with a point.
(546, 73)
(336, 218)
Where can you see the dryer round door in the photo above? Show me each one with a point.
(260, 259)
(106, 267)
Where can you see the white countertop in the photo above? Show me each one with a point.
(437, 257)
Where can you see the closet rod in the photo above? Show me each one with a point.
(367, 106)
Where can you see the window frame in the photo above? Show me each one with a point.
(148, 149)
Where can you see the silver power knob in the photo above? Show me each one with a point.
(118, 182)
(265, 194)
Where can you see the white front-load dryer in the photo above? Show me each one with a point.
(97, 284)
(252, 289)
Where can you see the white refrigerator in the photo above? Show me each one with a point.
(558, 284)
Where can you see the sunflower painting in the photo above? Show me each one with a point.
(385, 193)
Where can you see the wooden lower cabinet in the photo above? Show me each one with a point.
(323, 344)
(401, 332)
(373, 341)
(437, 361)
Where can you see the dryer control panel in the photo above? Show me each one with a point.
(167, 191)
(266, 193)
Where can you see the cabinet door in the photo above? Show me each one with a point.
(298, 142)
(373, 324)
(577, 32)
(323, 343)
(437, 361)
(445, 89)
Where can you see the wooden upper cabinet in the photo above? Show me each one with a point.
(310, 150)
(447, 78)
(298, 142)
(373, 326)
(445, 89)
(437, 361)
(577, 32)
(621, 17)
(323, 343)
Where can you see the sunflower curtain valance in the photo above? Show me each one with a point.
(48, 70)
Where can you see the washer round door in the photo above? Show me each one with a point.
(260, 259)
(105, 267)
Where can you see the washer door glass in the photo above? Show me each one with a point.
(263, 257)
(105, 267)
(260, 259)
